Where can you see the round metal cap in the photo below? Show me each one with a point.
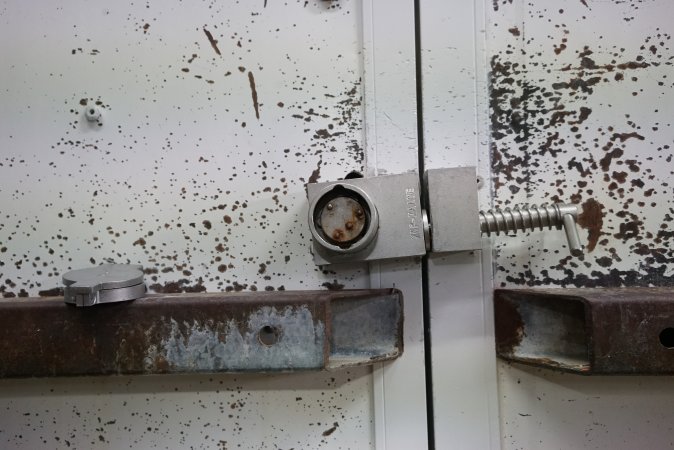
(103, 284)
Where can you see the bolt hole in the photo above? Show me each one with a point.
(268, 335)
(667, 337)
(92, 111)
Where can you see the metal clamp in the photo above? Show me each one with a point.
(366, 219)
(375, 218)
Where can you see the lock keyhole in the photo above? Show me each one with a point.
(342, 220)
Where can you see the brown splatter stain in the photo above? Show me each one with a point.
(592, 219)
(84, 102)
(604, 261)
(145, 28)
(253, 92)
(583, 115)
(213, 41)
(584, 3)
(54, 292)
(578, 84)
(227, 220)
(316, 174)
(334, 286)
(140, 241)
(176, 287)
(625, 136)
(514, 31)
(605, 162)
(329, 431)
(207, 224)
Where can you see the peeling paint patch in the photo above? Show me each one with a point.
(299, 344)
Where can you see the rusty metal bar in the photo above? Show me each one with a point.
(588, 331)
(188, 333)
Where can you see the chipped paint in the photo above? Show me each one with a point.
(200, 348)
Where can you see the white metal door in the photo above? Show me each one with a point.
(213, 117)
(579, 109)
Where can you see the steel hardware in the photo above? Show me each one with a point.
(92, 113)
(365, 219)
(587, 331)
(106, 283)
(524, 218)
(188, 333)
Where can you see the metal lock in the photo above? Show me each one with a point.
(358, 219)
(367, 219)
(344, 219)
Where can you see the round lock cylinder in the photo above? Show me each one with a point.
(343, 219)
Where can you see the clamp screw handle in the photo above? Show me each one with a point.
(559, 215)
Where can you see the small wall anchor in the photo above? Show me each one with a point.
(92, 113)
(106, 283)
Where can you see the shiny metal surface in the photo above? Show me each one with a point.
(106, 283)
(393, 228)
(534, 217)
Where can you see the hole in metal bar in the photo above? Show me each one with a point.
(268, 335)
(667, 337)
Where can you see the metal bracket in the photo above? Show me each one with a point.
(367, 219)
(587, 331)
(187, 333)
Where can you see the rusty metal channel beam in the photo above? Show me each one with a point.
(188, 333)
(588, 331)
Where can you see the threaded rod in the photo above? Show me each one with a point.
(559, 215)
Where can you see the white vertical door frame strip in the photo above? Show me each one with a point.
(454, 88)
(482, 127)
(391, 147)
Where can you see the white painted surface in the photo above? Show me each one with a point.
(543, 150)
(462, 338)
(542, 409)
(302, 411)
(391, 147)
(159, 161)
(183, 176)
(541, 44)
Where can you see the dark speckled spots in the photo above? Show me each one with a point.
(565, 127)
(330, 430)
